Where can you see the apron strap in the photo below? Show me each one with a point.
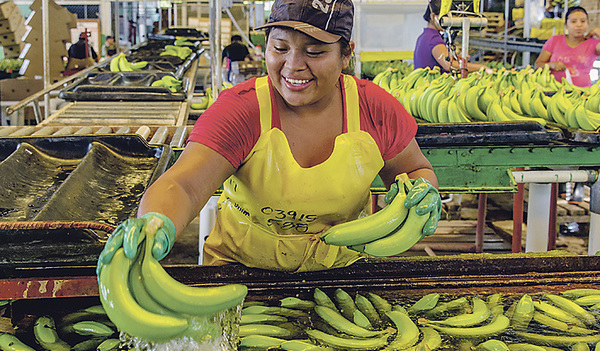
(352, 108)
(264, 102)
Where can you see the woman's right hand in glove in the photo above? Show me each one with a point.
(130, 233)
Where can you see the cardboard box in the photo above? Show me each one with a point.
(7, 25)
(13, 51)
(13, 38)
(17, 89)
(7, 8)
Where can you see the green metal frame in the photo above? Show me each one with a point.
(487, 169)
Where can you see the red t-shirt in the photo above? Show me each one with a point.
(231, 125)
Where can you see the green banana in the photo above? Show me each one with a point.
(262, 318)
(299, 345)
(559, 325)
(109, 344)
(587, 119)
(525, 100)
(445, 307)
(322, 299)
(472, 103)
(588, 300)
(378, 77)
(498, 325)
(557, 340)
(400, 240)
(537, 106)
(571, 307)
(425, 303)
(366, 307)
(431, 340)
(296, 303)
(263, 329)
(341, 324)
(580, 291)
(125, 312)
(372, 227)
(381, 305)
(407, 332)
(260, 341)
(492, 345)
(513, 116)
(480, 313)
(558, 313)
(580, 347)
(361, 320)
(124, 65)
(9, 342)
(523, 313)
(571, 117)
(114, 63)
(345, 303)
(182, 298)
(44, 330)
(442, 110)
(346, 343)
(455, 112)
(136, 66)
(525, 347)
(282, 311)
(88, 344)
(486, 97)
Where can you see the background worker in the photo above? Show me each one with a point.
(431, 50)
(81, 54)
(234, 52)
(572, 54)
(296, 152)
(110, 47)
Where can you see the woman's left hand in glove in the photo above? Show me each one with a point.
(427, 199)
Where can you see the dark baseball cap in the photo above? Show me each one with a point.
(324, 20)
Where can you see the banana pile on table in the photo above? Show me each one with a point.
(181, 51)
(168, 81)
(208, 99)
(390, 231)
(524, 95)
(144, 301)
(371, 69)
(368, 321)
(85, 329)
(120, 63)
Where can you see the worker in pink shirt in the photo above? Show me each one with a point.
(572, 55)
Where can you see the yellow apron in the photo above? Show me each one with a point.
(272, 211)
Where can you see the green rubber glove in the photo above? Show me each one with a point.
(130, 233)
(427, 199)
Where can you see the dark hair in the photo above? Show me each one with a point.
(575, 9)
(109, 37)
(236, 37)
(432, 7)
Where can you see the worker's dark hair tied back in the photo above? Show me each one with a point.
(432, 7)
(575, 9)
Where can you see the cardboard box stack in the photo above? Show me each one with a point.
(12, 29)
(61, 22)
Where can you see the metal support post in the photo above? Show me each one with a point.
(538, 217)
(518, 217)
(215, 16)
(594, 236)
(480, 229)
(552, 217)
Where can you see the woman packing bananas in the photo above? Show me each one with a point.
(296, 153)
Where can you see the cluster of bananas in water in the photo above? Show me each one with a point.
(524, 96)
(183, 52)
(208, 99)
(371, 69)
(388, 232)
(119, 63)
(86, 329)
(544, 322)
(144, 301)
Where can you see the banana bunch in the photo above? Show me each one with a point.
(208, 99)
(144, 301)
(561, 3)
(119, 63)
(182, 41)
(388, 232)
(173, 84)
(370, 69)
(183, 52)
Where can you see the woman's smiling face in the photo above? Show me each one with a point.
(302, 69)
